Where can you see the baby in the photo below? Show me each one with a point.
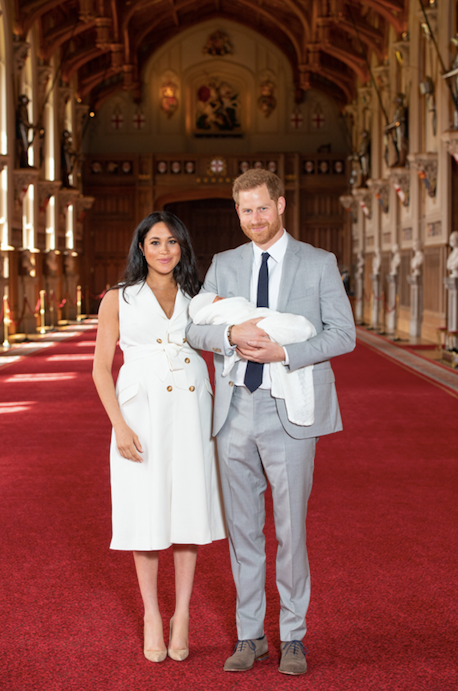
(296, 388)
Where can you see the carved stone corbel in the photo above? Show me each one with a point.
(364, 198)
(20, 54)
(22, 178)
(400, 179)
(426, 165)
(365, 96)
(431, 13)
(46, 190)
(450, 139)
(381, 190)
(66, 197)
(403, 47)
(350, 204)
(83, 204)
(382, 75)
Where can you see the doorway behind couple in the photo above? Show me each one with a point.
(214, 227)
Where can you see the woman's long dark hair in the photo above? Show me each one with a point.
(185, 272)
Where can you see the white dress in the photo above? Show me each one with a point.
(165, 396)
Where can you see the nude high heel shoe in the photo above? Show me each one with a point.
(154, 655)
(177, 654)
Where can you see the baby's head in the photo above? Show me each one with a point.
(218, 298)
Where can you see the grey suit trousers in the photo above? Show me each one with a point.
(253, 444)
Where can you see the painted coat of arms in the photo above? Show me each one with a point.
(217, 107)
(267, 101)
(168, 97)
(218, 44)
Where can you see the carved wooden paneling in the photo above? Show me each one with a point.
(214, 226)
(322, 221)
(403, 286)
(433, 272)
(114, 202)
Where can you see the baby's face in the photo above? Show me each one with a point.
(218, 298)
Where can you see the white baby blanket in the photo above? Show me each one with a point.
(295, 388)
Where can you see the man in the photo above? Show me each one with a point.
(254, 436)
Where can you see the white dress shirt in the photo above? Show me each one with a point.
(275, 266)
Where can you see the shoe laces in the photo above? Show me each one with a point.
(295, 647)
(241, 645)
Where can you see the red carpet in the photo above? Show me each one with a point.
(382, 528)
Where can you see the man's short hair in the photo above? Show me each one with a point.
(256, 177)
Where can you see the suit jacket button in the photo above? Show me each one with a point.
(187, 360)
(169, 388)
(159, 340)
(192, 388)
(231, 383)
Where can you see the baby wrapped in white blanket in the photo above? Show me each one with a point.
(295, 388)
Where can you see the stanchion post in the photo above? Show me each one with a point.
(51, 308)
(78, 303)
(6, 323)
(42, 312)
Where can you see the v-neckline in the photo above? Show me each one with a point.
(159, 304)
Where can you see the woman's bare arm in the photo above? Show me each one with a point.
(107, 336)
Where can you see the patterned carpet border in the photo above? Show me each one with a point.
(426, 368)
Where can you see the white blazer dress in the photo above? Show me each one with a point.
(165, 396)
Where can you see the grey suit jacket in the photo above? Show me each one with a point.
(310, 285)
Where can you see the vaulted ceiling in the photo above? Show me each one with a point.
(107, 43)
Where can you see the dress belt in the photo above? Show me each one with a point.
(164, 357)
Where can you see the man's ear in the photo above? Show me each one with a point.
(281, 205)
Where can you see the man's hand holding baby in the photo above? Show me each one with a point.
(254, 344)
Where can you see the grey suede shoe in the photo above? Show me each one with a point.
(245, 654)
(292, 658)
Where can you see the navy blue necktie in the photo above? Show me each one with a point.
(253, 374)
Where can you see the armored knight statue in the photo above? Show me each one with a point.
(398, 132)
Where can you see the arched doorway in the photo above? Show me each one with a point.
(214, 227)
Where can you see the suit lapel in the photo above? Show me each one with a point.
(288, 275)
(244, 271)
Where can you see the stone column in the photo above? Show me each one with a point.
(451, 284)
(391, 316)
(416, 304)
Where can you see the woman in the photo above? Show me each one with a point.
(165, 487)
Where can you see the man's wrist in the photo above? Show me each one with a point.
(229, 336)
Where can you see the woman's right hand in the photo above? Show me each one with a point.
(128, 444)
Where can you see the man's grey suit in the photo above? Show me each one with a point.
(255, 437)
